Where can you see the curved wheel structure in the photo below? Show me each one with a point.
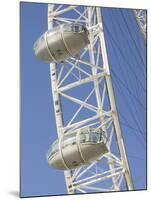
(83, 98)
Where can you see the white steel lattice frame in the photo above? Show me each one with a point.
(111, 171)
(141, 18)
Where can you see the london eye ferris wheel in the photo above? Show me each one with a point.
(90, 132)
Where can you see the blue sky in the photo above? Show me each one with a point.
(126, 52)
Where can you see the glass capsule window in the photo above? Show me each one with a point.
(92, 137)
(42, 38)
(67, 27)
(82, 138)
(95, 137)
(49, 152)
(84, 29)
(77, 28)
(86, 136)
(73, 27)
(39, 41)
(49, 31)
(36, 43)
(53, 30)
(69, 139)
(53, 149)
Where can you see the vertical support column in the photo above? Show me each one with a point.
(56, 101)
(117, 127)
(97, 91)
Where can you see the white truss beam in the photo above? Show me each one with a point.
(113, 105)
(81, 82)
(96, 180)
(93, 69)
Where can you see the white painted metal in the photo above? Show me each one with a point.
(111, 171)
(96, 85)
(141, 18)
(113, 105)
(55, 94)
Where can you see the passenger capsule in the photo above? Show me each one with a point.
(61, 42)
(76, 149)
